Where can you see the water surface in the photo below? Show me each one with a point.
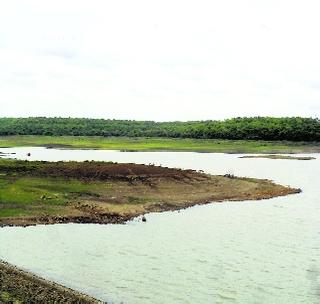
(235, 252)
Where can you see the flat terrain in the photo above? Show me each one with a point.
(278, 156)
(161, 144)
(100, 192)
(20, 287)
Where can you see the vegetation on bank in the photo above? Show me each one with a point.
(256, 128)
(160, 144)
(98, 192)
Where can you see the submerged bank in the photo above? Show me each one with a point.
(278, 156)
(21, 287)
(99, 192)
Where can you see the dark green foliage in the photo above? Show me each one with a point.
(263, 128)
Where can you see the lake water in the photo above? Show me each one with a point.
(234, 252)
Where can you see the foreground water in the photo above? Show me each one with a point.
(234, 252)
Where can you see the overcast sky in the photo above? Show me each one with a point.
(160, 60)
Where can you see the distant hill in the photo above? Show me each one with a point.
(263, 128)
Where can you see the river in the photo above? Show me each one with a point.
(235, 252)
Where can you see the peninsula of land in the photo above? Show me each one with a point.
(104, 192)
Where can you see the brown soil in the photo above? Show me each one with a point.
(92, 170)
(17, 286)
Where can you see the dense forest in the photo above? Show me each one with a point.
(264, 128)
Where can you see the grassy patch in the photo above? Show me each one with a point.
(161, 144)
(30, 190)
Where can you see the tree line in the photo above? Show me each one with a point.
(258, 128)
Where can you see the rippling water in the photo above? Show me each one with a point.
(234, 252)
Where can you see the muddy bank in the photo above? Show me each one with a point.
(92, 170)
(18, 286)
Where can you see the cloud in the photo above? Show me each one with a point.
(167, 60)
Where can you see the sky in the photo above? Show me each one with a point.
(159, 60)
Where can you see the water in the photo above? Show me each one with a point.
(235, 252)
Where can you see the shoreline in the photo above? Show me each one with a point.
(247, 154)
(20, 286)
(160, 144)
(74, 148)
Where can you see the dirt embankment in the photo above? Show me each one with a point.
(20, 287)
(92, 170)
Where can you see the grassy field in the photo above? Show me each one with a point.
(161, 144)
(100, 192)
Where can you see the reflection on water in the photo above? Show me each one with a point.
(235, 252)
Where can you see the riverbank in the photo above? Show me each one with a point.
(21, 287)
(160, 144)
(100, 192)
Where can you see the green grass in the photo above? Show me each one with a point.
(13, 212)
(32, 196)
(27, 190)
(161, 144)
